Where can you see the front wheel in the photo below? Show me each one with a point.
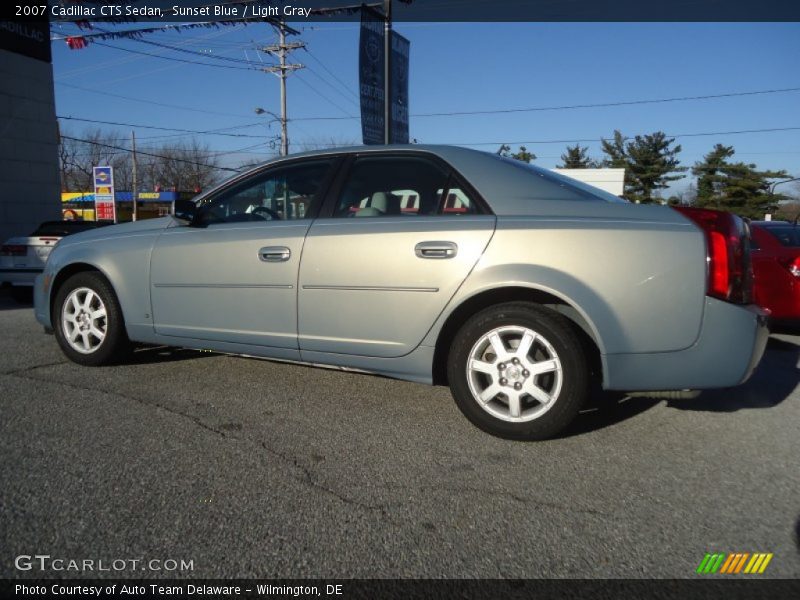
(87, 321)
(519, 371)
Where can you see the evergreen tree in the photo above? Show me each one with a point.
(615, 151)
(576, 157)
(649, 161)
(735, 186)
(524, 155)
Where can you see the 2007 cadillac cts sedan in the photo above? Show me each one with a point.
(513, 285)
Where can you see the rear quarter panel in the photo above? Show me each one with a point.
(639, 283)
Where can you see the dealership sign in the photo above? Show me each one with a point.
(104, 206)
(371, 81)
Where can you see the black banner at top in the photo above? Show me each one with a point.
(371, 81)
(401, 49)
(407, 10)
(371, 77)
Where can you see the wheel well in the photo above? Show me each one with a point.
(489, 298)
(65, 274)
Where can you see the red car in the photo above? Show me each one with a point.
(776, 267)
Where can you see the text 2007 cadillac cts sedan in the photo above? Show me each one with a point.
(513, 285)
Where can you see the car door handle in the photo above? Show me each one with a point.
(275, 254)
(436, 249)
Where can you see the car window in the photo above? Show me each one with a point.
(392, 186)
(787, 236)
(458, 202)
(555, 186)
(280, 194)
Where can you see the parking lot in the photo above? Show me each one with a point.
(261, 469)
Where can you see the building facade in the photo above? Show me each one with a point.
(29, 174)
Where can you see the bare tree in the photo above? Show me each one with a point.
(182, 166)
(78, 154)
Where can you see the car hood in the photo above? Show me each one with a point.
(120, 230)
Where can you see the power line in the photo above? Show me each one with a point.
(114, 147)
(673, 135)
(245, 150)
(324, 97)
(579, 106)
(333, 87)
(133, 57)
(153, 102)
(332, 74)
(184, 50)
(174, 58)
(192, 131)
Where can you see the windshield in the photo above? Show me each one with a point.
(788, 235)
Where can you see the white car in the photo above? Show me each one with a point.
(23, 258)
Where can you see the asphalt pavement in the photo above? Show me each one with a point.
(251, 468)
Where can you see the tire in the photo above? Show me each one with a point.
(529, 395)
(78, 313)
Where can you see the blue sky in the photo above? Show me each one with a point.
(455, 67)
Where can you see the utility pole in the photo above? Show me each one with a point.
(282, 69)
(135, 182)
(387, 72)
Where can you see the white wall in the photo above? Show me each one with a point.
(610, 180)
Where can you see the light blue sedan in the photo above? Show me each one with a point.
(513, 285)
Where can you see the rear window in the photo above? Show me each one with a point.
(787, 236)
(554, 186)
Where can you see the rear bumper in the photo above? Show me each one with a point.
(19, 276)
(731, 343)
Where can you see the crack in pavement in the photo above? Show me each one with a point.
(306, 476)
(309, 479)
(81, 388)
(33, 368)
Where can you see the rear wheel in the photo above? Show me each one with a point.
(87, 321)
(519, 371)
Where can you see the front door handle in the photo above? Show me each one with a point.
(275, 254)
(436, 249)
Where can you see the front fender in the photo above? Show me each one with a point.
(123, 260)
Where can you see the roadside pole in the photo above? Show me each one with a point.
(135, 213)
(387, 72)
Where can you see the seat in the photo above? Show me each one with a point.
(381, 203)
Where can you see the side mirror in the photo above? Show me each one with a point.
(185, 210)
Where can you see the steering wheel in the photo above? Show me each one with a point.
(263, 211)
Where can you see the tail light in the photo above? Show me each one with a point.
(13, 250)
(730, 272)
(792, 265)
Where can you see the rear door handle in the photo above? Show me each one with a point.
(436, 249)
(275, 254)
